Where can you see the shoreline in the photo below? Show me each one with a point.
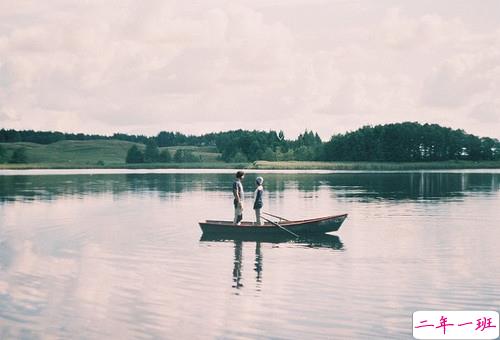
(267, 165)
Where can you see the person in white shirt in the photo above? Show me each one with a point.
(238, 197)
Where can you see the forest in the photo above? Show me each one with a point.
(410, 142)
(398, 142)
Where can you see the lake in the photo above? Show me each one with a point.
(118, 254)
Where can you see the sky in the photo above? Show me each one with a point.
(196, 67)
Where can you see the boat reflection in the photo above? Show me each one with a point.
(313, 241)
(320, 241)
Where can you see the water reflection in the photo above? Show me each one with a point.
(326, 241)
(417, 185)
(368, 186)
(238, 264)
(238, 256)
(258, 262)
(123, 253)
(31, 188)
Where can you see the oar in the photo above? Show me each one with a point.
(281, 218)
(285, 229)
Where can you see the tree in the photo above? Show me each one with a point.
(304, 153)
(152, 153)
(190, 157)
(3, 154)
(134, 155)
(284, 155)
(239, 157)
(165, 138)
(130, 138)
(407, 142)
(19, 156)
(251, 144)
(165, 156)
(10, 136)
(281, 135)
(178, 156)
(185, 156)
(308, 138)
(268, 155)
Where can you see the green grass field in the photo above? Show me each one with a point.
(78, 153)
(112, 153)
(98, 153)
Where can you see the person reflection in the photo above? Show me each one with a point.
(238, 266)
(326, 241)
(238, 250)
(258, 262)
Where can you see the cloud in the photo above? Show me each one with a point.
(402, 31)
(487, 113)
(465, 87)
(455, 82)
(141, 67)
(113, 69)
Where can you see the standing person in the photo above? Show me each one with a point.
(238, 197)
(257, 204)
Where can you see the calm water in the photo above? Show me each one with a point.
(121, 256)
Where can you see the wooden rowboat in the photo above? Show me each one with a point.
(313, 226)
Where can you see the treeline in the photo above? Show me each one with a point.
(410, 142)
(152, 154)
(164, 138)
(400, 142)
(43, 137)
(244, 146)
(237, 146)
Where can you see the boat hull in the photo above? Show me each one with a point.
(304, 227)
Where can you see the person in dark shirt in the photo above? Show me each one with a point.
(257, 204)
(238, 197)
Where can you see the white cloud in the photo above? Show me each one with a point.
(426, 68)
(140, 67)
(113, 70)
(401, 31)
(456, 82)
(486, 113)
(465, 87)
